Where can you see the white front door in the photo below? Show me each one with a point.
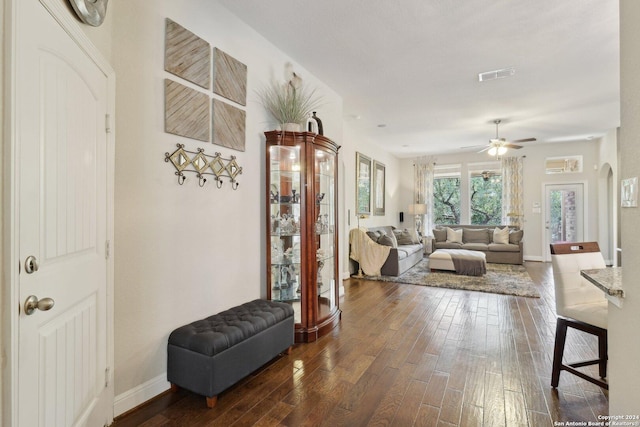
(564, 214)
(61, 143)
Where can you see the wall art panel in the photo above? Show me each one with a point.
(229, 77)
(187, 112)
(229, 125)
(187, 55)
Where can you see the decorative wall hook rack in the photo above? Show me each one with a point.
(203, 164)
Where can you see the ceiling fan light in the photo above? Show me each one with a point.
(502, 150)
(493, 151)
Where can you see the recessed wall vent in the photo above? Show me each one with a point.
(496, 74)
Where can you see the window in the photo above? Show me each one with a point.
(486, 197)
(446, 194)
(567, 164)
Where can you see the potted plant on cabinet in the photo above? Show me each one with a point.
(291, 103)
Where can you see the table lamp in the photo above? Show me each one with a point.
(418, 209)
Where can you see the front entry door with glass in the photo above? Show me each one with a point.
(564, 214)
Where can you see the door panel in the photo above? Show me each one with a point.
(564, 214)
(61, 104)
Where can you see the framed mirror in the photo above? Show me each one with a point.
(363, 184)
(378, 188)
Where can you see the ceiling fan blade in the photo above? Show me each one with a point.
(517, 147)
(524, 140)
(472, 146)
(484, 149)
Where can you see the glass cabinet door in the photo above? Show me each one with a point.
(325, 229)
(284, 225)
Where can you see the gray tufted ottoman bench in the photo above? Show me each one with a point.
(212, 354)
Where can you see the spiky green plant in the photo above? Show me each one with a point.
(291, 102)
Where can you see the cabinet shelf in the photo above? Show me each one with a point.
(301, 193)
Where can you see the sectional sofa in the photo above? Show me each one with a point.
(481, 238)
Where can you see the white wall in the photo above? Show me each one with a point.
(534, 179)
(624, 324)
(352, 143)
(608, 200)
(5, 284)
(183, 252)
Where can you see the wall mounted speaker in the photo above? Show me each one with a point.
(401, 216)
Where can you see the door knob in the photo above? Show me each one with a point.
(32, 303)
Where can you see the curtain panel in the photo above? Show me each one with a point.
(512, 191)
(423, 189)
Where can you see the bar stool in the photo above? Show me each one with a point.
(579, 305)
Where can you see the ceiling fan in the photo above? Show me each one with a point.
(499, 146)
(486, 175)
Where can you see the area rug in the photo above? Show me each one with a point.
(500, 279)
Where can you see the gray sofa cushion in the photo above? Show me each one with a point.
(440, 234)
(470, 235)
(387, 241)
(475, 246)
(448, 245)
(406, 250)
(499, 247)
(515, 236)
(406, 237)
(374, 235)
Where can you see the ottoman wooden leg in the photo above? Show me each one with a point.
(211, 401)
(174, 388)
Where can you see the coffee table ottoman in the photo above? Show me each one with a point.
(442, 259)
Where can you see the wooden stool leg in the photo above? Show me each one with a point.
(290, 349)
(211, 401)
(602, 354)
(558, 351)
(174, 388)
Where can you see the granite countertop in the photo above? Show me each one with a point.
(608, 280)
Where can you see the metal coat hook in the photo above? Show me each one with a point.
(181, 178)
(203, 164)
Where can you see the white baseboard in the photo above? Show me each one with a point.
(140, 394)
(346, 275)
(534, 258)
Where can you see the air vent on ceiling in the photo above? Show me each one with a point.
(496, 74)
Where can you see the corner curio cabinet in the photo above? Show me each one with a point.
(302, 242)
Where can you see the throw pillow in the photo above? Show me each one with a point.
(374, 235)
(454, 236)
(501, 236)
(415, 239)
(471, 235)
(389, 232)
(515, 236)
(402, 237)
(406, 237)
(386, 240)
(440, 234)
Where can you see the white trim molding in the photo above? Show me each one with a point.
(138, 395)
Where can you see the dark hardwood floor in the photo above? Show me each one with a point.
(410, 355)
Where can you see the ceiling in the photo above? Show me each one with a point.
(408, 71)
